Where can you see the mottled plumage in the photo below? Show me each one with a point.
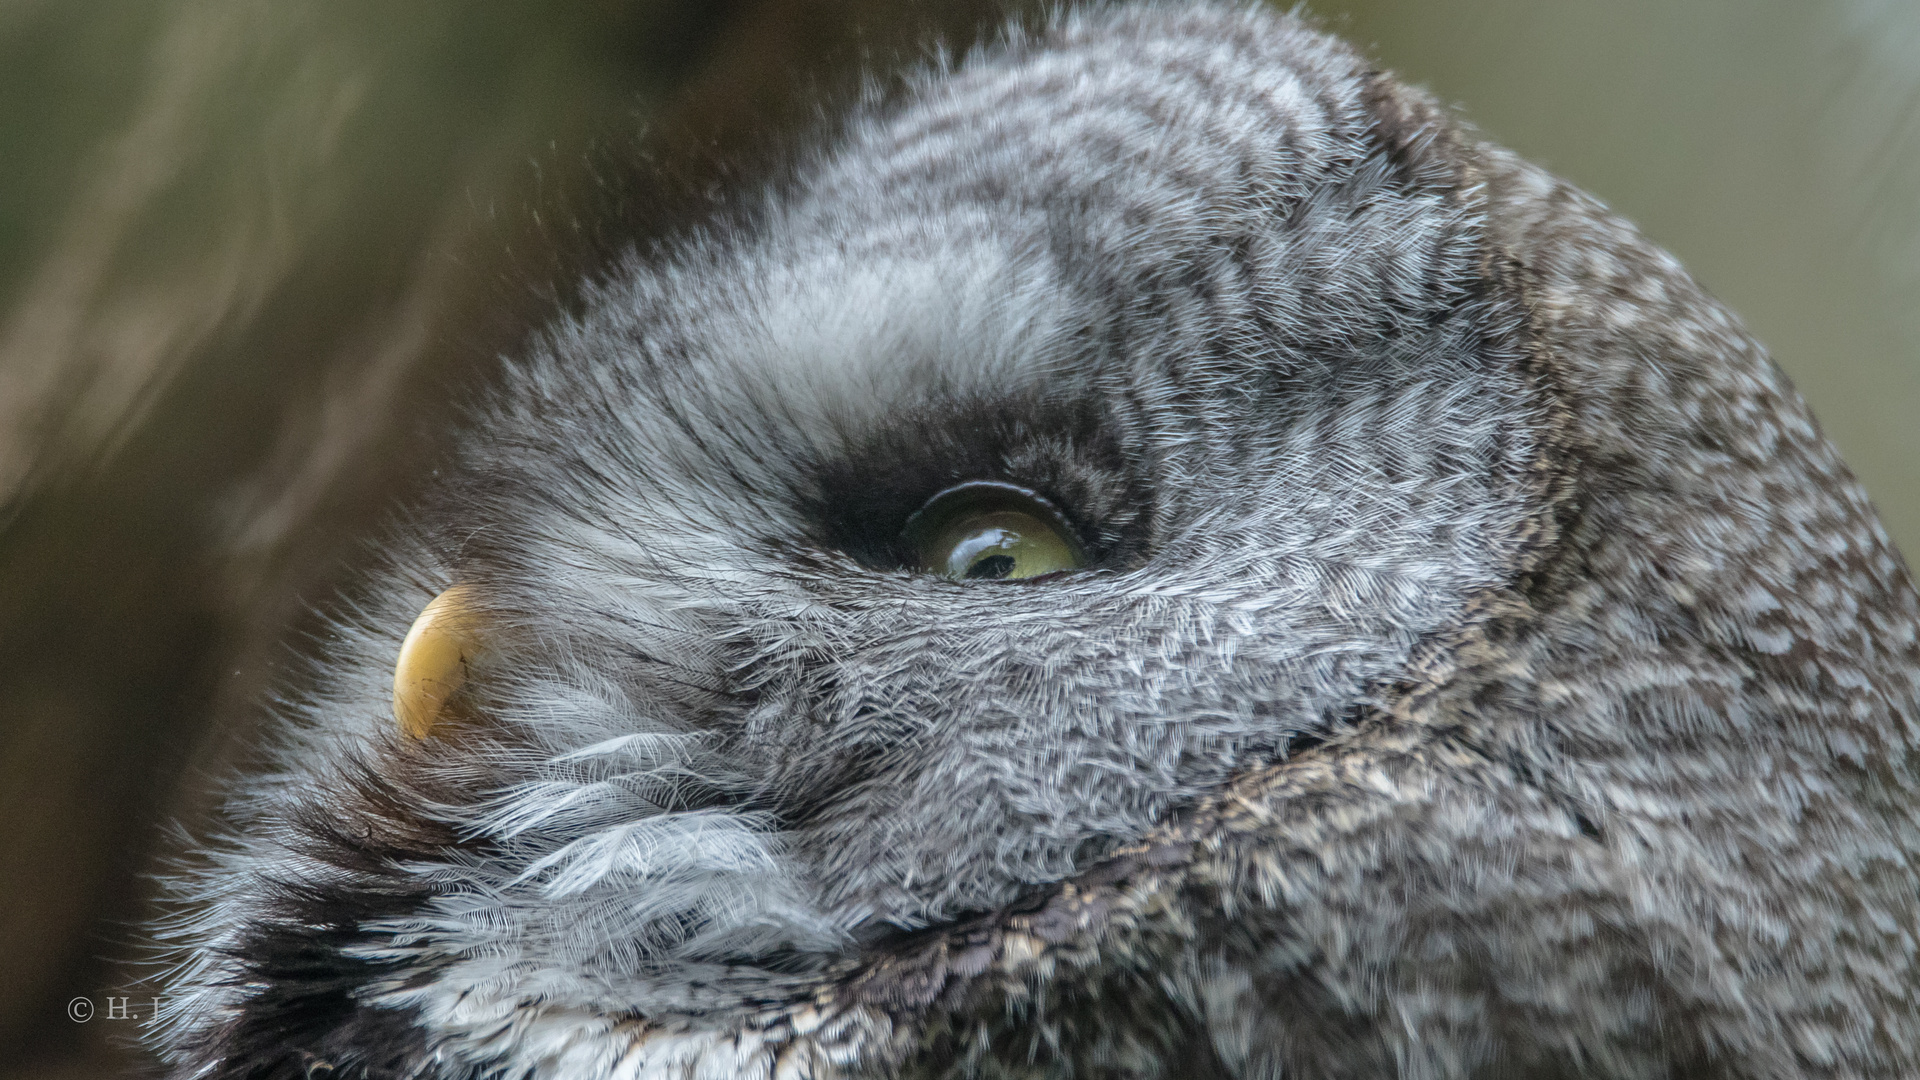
(1485, 667)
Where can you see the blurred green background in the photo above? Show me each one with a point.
(250, 248)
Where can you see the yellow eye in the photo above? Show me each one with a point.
(990, 531)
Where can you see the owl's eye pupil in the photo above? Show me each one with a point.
(985, 531)
(992, 566)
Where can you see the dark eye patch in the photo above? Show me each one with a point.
(1072, 454)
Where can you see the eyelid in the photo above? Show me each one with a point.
(1013, 493)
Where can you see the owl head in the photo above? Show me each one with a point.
(1155, 552)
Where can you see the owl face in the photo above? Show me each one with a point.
(1121, 414)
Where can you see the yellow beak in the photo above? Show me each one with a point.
(433, 661)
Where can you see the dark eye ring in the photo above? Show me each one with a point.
(986, 530)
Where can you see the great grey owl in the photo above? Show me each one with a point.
(1156, 553)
